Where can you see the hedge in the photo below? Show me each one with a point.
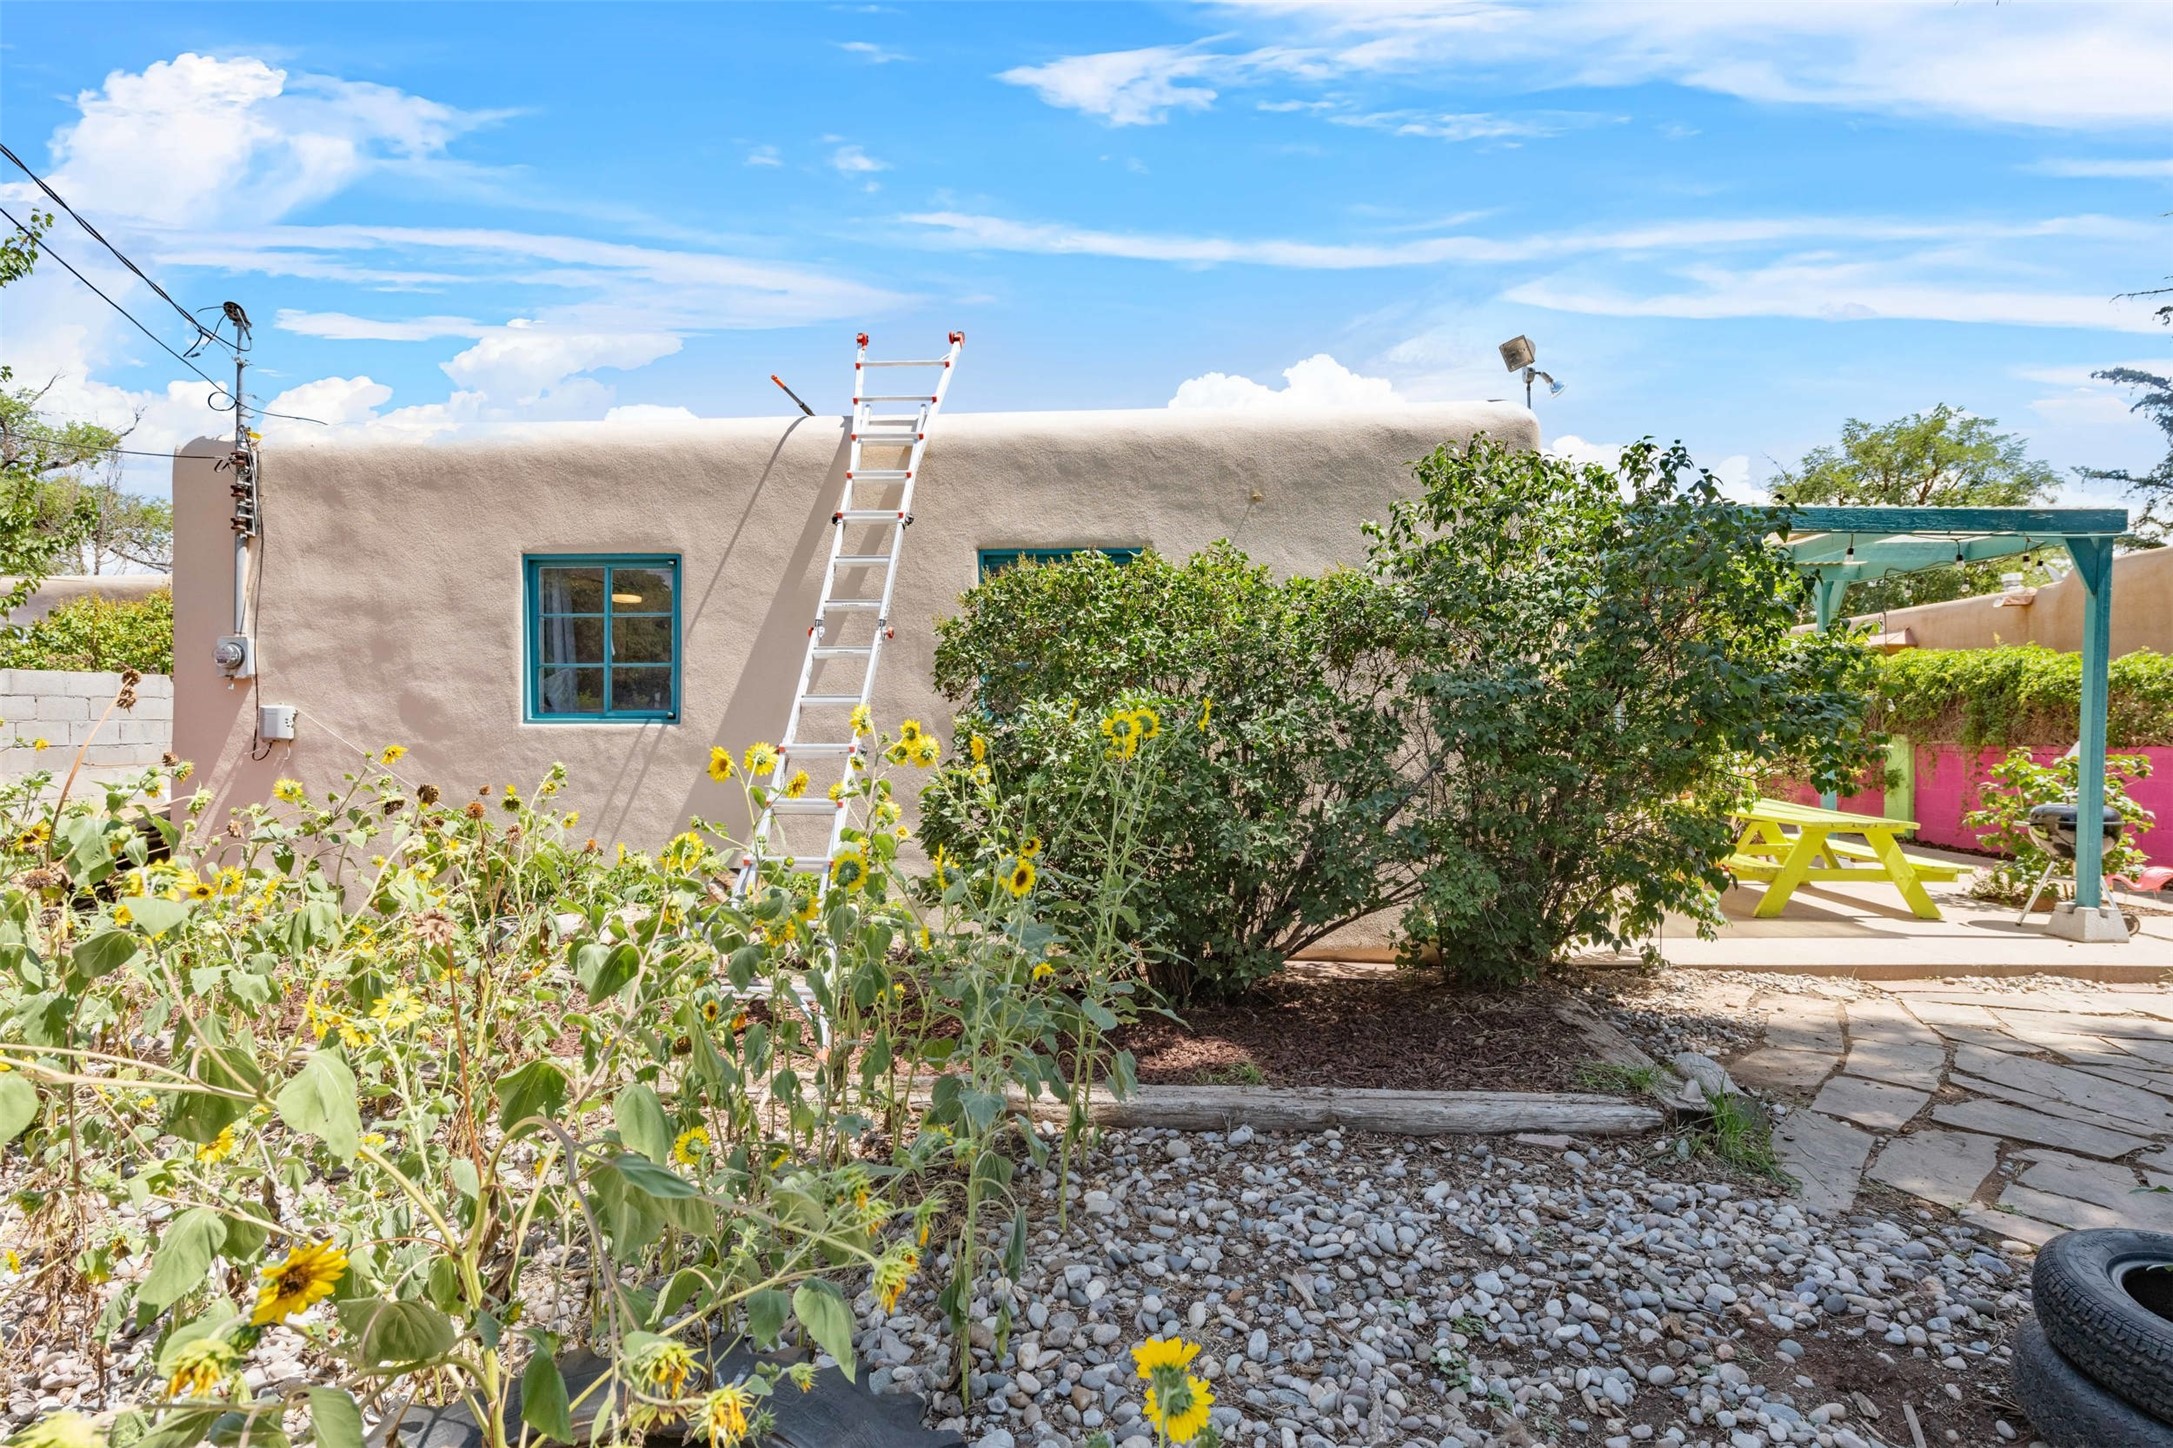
(2019, 694)
(97, 634)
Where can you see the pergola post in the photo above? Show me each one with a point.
(2094, 561)
(1829, 591)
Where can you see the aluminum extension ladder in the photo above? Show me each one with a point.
(851, 626)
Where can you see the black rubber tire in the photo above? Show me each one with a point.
(2092, 1308)
(2070, 1411)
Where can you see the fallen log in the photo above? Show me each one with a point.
(1398, 1113)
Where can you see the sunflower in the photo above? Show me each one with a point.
(1149, 722)
(393, 753)
(1044, 970)
(723, 1415)
(1183, 1414)
(667, 1367)
(1207, 709)
(797, 785)
(720, 764)
(863, 722)
(1164, 1352)
(397, 1009)
(231, 881)
(978, 748)
(849, 871)
(909, 732)
(200, 889)
(199, 1368)
(306, 1276)
(60, 1430)
(1121, 729)
(925, 751)
(1019, 877)
(35, 836)
(892, 1273)
(289, 790)
(219, 1148)
(760, 758)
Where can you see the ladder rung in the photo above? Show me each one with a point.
(843, 651)
(888, 439)
(926, 362)
(790, 862)
(871, 515)
(878, 475)
(789, 749)
(860, 560)
(908, 420)
(829, 699)
(805, 806)
(895, 397)
(852, 603)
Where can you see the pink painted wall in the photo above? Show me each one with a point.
(1948, 777)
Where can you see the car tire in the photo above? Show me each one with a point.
(2067, 1409)
(2107, 1312)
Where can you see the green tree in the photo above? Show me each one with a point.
(127, 530)
(1944, 458)
(1604, 664)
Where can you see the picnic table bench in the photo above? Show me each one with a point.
(1766, 851)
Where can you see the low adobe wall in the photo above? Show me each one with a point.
(66, 588)
(1949, 778)
(2142, 613)
(63, 708)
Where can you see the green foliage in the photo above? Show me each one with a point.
(124, 529)
(2019, 694)
(1601, 661)
(1938, 459)
(98, 634)
(445, 1068)
(2017, 784)
(1275, 810)
(2153, 489)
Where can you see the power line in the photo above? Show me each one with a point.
(201, 330)
(219, 389)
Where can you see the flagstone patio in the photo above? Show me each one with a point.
(2028, 1106)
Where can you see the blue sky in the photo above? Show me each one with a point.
(1734, 225)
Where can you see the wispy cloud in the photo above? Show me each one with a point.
(2155, 170)
(764, 156)
(340, 327)
(2059, 66)
(872, 53)
(852, 161)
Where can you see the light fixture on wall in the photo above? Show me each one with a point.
(1518, 355)
(629, 599)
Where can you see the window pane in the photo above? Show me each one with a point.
(641, 590)
(570, 590)
(571, 640)
(641, 640)
(643, 690)
(570, 691)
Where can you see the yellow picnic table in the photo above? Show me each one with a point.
(1767, 851)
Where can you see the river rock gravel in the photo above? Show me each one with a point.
(1460, 1291)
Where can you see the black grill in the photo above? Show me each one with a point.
(2052, 827)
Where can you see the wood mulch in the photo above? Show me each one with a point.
(1320, 1024)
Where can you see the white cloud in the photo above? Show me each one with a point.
(195, 137)
(1835, 292)
(852, 161)
(1571, 448)
(872, 53)
(334, 401)
(340, 327)
(764, 156)
(521, 362)
(2112, 170)
(2050, 65)
(1319, 383)
(1125, 87)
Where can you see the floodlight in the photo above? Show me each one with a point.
(1517, 353)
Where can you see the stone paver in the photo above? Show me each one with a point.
(2128, 1106)
(1825, 1156)
(2011, 1226)
(1886, 1043)
(2018, 1123)
(1808, 1023)
(1783, 1068)
(2108, 1184)
(1945, 1167)
(1876, 1104)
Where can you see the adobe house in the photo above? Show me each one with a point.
(454, 598)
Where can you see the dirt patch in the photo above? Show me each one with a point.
(1366, 1027)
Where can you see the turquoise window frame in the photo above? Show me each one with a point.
(532, 566)
(996, 560)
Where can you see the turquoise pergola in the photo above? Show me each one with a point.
(1840, 546)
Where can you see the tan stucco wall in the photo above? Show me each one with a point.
(391, 604)
(2142, 613)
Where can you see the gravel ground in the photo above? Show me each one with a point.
(1354, 1289)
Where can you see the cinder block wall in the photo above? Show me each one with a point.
(63, 709)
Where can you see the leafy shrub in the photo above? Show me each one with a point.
(1601, 661)
(100, 634)
(486, 1090)
(1277, 804)
(2019, 694)
(2017, 784)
